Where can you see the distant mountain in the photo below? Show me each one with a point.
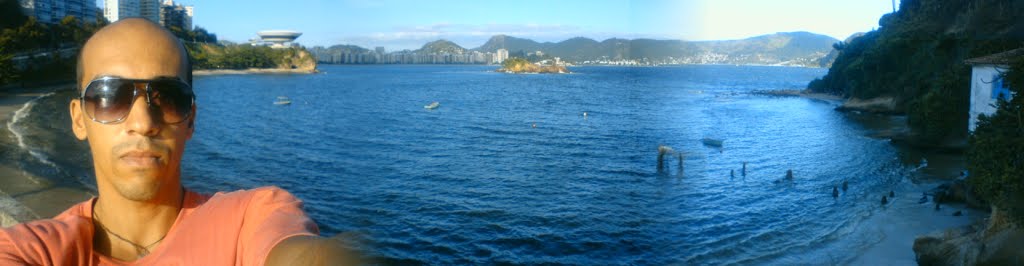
(441, 47)
(784, 48)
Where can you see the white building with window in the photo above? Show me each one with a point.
(114, 10)
(53, 11)
(987, 84)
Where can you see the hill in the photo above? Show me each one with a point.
(441, 47)
(785, 48)
(916, 58)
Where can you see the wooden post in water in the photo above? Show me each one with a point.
(680, 173)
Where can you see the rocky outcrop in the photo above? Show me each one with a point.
(533, 68)
(301, 60)
(880, 105)
(957, 191)
(995, 242)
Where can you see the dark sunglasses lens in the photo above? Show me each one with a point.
(108, 100)
(174, 99)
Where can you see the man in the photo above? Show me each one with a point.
(136, 110)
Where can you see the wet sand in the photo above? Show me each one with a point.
(24, 196)
(903, 220)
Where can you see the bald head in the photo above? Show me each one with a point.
(133, 48)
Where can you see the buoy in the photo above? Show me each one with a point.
(892, 194)
(534, 125)
(744, 169)
(835, 192)
(885, 200)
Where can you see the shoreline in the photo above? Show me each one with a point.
(832, 99)
(211, 72)
(24, 196)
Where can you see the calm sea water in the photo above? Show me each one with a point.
(509, 170)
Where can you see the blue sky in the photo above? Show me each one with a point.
(409, 24)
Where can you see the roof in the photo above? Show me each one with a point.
(1004, 58)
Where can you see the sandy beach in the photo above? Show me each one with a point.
(24, 196)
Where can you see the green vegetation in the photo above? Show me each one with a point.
(244, 56)
(996, 157)
(917, 58)
(33, 52)
(515, 62)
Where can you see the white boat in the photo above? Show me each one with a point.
(281, 100)
(433, 105)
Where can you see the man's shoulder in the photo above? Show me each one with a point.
(260, 195)
(33, 242)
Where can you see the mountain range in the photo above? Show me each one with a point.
(784, 48)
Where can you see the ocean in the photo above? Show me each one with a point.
(533, 169)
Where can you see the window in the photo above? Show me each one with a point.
(1000, 88)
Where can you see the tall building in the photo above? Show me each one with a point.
(172, 15)
(114, 10)
(500, 56)
(52, 11)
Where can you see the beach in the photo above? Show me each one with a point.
(23, 195)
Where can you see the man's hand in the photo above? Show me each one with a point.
(311, 250)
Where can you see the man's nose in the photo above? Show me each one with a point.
(140, 119)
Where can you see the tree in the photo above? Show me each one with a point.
(7, 71)
(10, 10)
(996, 156)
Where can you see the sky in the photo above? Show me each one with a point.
(398, 25)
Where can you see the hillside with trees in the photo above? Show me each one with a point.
(916, 58)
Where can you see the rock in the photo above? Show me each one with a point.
(924, 199)
(789, 174)
(958, 213)
(958, 191)
(996, 243)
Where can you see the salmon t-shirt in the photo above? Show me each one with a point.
(234, 228)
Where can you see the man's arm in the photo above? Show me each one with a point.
(311, 250)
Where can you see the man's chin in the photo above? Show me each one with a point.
(138, 186)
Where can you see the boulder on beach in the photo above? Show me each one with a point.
(996, 242)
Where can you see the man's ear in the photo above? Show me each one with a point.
(192, 123)
(77, 119)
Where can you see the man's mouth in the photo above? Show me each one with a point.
(141, 158)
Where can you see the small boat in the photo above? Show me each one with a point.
(432, 105)
(712, 142)
(281, 100)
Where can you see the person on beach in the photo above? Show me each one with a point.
(136, 111)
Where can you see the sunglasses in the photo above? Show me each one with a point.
(108, 100)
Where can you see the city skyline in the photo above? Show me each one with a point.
(398, 25)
